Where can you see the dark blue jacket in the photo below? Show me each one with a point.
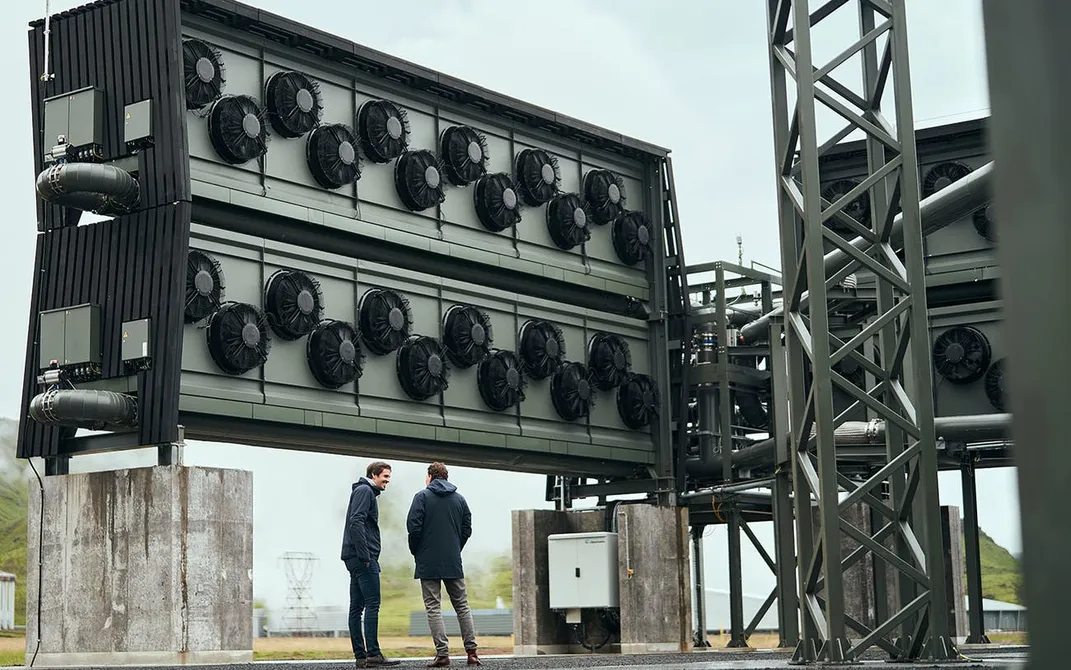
(439, 525)
(360, 540)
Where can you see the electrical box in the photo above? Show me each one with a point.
(78, 117)
(583, 570)
(137, 126)
(135, 340)
(70, 338)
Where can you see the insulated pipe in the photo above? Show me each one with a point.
(947, 206)
(83, 408)
(90, 187)
(970, 428)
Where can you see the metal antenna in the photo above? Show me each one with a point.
(299, 616)
(740, 249)
(47, 75)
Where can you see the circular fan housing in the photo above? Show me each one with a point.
(995, 386)
(423, 370)
(567, 222)
(604, 193)
(384, 130)
(204, 76)
(464, 154)
(571, 391)
(538, 176)
(542, 348)
(334, 354)
(497, 203)
(294, 103)
(385, 319)
(418, 178)
(961, 354)
(609, 360)
(467, 335)
(637, 401)
(941, 175)
(500, 380)
(331, 153)
(237, 129)
(858, 209)
(984, 223)
(204, 286)
(238, 338)
(631, 237)
(294, 303)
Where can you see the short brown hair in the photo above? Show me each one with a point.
(438, 471)
(376, 467)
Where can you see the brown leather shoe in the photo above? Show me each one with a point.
(378, 660)
(440, 662)
(473, 658)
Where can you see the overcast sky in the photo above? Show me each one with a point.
(691, 76)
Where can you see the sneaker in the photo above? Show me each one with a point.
(378, 660)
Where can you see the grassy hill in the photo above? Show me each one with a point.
(13, 505)
(1002, 577)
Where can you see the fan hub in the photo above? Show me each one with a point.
(475, 152)
(955, 352)
(431, 176)
(396, 319)
(580, 219)
(552, 347)
(251, 125)
(206, 71)
(305, 302)
(203, 282)
(619, 360)
(250, 335)
(547, 173)
(347, 352)
(394, 127)
(346, 153)
(941, 182)
(643, 235)
(583, 389)
(613, 193)
(478, 334)
(509, 198)
(305, 101)
(513, 378)
(435, 365)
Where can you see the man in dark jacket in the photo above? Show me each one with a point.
(439, 525)
(360, 553)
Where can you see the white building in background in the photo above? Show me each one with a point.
(718, 613)
(7, 601)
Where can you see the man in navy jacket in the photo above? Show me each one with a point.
(360, 552)
(439, 525)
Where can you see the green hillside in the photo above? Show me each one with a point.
(1002, 577)
(13, 505)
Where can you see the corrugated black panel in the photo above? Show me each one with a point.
(134, 267)
(130, 49)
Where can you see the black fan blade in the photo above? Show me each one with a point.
(238, 338)
(542, 348)
(204, 286)
(567, 222)
(422, 369)
(609, 360)
(385, 320)
(334, 355)
(236, 127)
(331, 154)
(464, 153)
(384, 130)
(538, 176)
(497, 203)
(571, 391)
(604, 193)
(418, 180)
(294, 103)
(204, 75)
(631, 237)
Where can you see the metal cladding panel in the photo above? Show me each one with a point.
(951, 399)
(130, 50)
(125, 266)
(285, 387)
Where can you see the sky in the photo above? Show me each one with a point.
(694, 79)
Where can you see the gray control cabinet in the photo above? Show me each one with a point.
(78, 116)
(583, 570)
(69, 336)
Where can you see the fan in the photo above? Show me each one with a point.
(422, 367)
(204, 286)
(467, 335)
(384, 319)
(631, 236)
(984, 223)
(961, 354)
(858, 209)
(384, 130)
(294, 103)
(538, 177)
(571, 391)
(605, 195)
(418, 179)
(500, 380)
(567, 222)
(542, 348)
(994, 385)
(238, 337)
(334, 354)
(464, 154)
(236, 128)
(293, 303)
(609, 359)
(637, 401)
(332, 156)
(203, 73)
(942, 175)
(496, 202)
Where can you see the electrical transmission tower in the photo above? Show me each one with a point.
(299, 615)
(893, 347)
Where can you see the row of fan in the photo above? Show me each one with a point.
(962, 355)
(238, 130)
(936, 178)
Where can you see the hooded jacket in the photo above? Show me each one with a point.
(360, 539)
(439, 525)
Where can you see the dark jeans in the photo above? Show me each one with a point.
(364, 599)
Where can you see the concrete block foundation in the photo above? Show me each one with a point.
(141, 566)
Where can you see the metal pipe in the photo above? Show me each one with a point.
(947, 206)
(83, 408)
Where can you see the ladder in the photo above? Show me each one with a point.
(678, 321)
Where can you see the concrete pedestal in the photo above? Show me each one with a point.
(141, 566)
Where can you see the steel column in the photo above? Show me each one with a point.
(975, 619)
(699, 636)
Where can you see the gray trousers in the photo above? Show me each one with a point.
(455, 588)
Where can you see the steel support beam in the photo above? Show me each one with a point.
(901, 395)
(699, 636)
(976, 622)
